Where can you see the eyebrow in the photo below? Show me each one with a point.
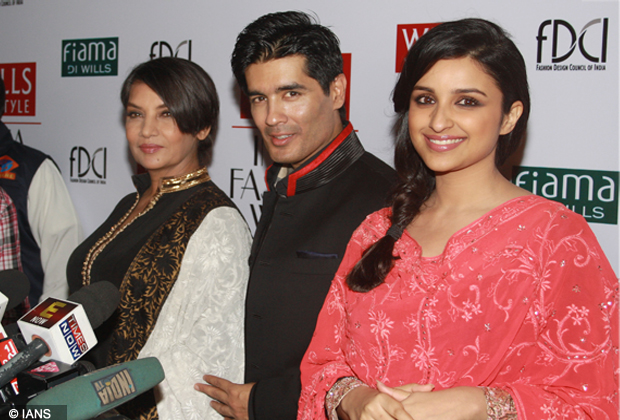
(456, 91)
(162, 106)
(284, 88)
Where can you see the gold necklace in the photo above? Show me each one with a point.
(167, 185)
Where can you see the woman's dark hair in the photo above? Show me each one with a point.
(498, 56)
(188, 92)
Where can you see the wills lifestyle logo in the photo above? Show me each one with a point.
(87, 167)
(163, 49)
(562, 48)
(20, 88)
(406, 36)
(90, 57)
(244, 102)
(593, 194)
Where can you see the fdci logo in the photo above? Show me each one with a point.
(114, 387)
(593, 194)
(72, 333)
(406, 36)
(82, 164)
(163, 49)
(90, 57)
(20, 88)
(558, 41)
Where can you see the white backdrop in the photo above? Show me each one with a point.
(573, 130)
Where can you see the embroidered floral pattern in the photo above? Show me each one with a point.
(498, 309)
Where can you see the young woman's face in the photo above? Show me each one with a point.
(154, 138)
(456, 117)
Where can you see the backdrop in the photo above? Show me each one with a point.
(64, 61)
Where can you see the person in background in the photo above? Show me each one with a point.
(10, 254)
(468, 298)
(49, 228)
(177, 249)
(321, 186)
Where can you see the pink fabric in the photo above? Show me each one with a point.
(522, 299)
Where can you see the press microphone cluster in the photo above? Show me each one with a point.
(59, 332)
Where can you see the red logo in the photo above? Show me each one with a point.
(49, 312)
(246, 112)
(48, 367)
(21, 88)
(406, 36)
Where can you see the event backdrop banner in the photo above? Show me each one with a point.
(64, 61)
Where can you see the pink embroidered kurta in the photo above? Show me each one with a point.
(522, 299)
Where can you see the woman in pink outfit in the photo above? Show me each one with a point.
(468, 298)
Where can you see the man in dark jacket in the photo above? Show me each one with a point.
(320, 188)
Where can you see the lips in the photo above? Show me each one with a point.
(444, 143)
(280, 139)
(150, 148)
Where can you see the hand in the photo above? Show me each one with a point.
(460, 403)
(401, 393)
(364, 403)
(230, 399)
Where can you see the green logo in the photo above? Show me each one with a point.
(90, 57)
(593, 194)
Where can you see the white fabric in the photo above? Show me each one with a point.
(54, 225)
(200, 327)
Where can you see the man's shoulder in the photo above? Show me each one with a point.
(28, 152)
(371, 166)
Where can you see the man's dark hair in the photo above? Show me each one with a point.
(2, 97)
(282, 34)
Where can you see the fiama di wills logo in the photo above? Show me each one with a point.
(593, 194)
(406, 36)
(562, 48)
(90, 57)
(114, 387)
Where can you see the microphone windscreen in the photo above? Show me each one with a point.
(15, 286)
(99, 300)
(94, 393)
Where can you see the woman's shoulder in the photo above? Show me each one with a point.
(536, 206)
(374, 226)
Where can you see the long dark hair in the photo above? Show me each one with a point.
(490, 46)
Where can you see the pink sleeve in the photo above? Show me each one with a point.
(571, 370)
(324, 362)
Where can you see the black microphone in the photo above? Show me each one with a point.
(15, 286)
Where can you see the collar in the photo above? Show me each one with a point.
(142, 182)
(334, 159)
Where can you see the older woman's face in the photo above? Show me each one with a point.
(154, 138)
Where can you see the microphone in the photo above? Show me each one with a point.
(94, 393)
(14, 287)
(60, 330)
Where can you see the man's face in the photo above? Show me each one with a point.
(293, 114)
